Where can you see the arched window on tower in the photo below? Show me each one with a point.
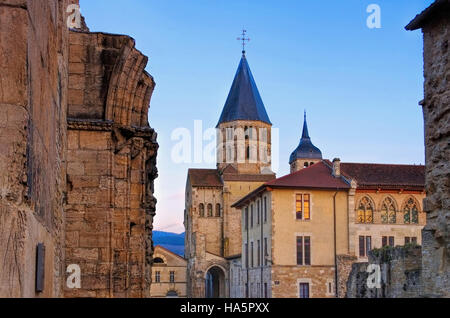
(388, 212)
(217, 210)
(365, 211)
(411, 212)
(306, 165)
(210, 210)
(201, 209)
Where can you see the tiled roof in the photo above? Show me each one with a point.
(244, 101)
(370, 175)
(439, 7)
(204, 178)
(315, 176)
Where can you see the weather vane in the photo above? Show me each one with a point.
(243, 39)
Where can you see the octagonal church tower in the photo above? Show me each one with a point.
(213, 228)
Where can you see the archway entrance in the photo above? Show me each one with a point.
(215, 283)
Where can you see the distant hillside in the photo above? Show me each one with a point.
(172, 241)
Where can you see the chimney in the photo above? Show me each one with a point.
(336, 167)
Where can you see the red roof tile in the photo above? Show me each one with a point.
(315, 176)
(369, 175)
(204, 178)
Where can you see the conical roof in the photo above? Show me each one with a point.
(244, 101)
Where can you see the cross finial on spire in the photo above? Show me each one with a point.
(243, 39)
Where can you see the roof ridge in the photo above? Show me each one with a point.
(383, 164)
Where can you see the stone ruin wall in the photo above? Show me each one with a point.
(64, 172)
(111, 165)
(33, 102)
(400, 273)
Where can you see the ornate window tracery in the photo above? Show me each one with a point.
(388, 211)
(411, 212)
(365, 211)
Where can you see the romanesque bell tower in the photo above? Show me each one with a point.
(244, 128)
(213, 226)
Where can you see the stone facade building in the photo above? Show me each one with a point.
(435, 25)
(78, 157)
(169, 274)
(302, 232)
(213, 227)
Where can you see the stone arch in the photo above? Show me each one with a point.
(172, 293)
(130, 88)
(405, 203)
(215, 282)
(408, 212)
(157, 255)
(391, 216)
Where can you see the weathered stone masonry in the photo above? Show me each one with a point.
(78, 157)
(435, 24)
(110, 166)
(33, 103)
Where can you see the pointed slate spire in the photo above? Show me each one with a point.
(305, 150)
(305, 134)
(244, 101)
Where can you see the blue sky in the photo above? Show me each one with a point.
(360, 86)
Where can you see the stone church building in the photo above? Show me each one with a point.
(249, 234)
(77, 159)
(213, 227)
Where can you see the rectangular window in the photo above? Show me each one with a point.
(258, 211)
(172, 277)
(265, 251)
(251, 254)
(302, 207)
(246, 218)
(298, 206)
(307, 242)
(410, 239)
(265, 209)
(303, 250)
(384, 241)
(259, 253)
(368, 244)
(300, 250)
(304, 290)
(251, 216)
(391, 241)
(265, 291)
(246, 255)
(157, 277)
(365, 245)
(362, 251)
(306, 213)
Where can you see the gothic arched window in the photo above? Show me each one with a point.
(210, 210)
(411, 212)
(201, 209)
(388, 212)
(365, 211)
(218, 210)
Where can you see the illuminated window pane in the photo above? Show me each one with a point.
(306, 207)
(298, 206)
